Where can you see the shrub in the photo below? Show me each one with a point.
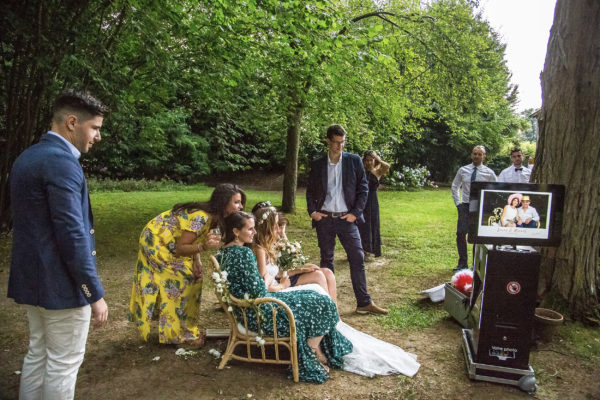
(134, 185)
(408, 178)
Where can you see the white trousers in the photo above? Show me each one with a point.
(56, 348)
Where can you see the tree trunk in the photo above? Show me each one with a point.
(567, 153)
(290, 177)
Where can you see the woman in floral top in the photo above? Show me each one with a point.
(168, 279)
(319, 343)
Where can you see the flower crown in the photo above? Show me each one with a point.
(268, 211)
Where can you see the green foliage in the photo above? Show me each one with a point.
(407, 178)
(502, 159)
(213, 87)
(530, 129)
(98, 185)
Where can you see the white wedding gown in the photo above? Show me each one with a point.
(370, 356)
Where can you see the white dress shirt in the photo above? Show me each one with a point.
(510, 175)
(334, 199)
(463, 179)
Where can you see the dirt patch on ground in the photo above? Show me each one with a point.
(119, 365)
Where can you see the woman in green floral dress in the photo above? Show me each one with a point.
(319, 343)
(168, 278)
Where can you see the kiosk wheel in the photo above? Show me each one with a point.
(527, 384)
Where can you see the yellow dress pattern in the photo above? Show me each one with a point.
(165, 284)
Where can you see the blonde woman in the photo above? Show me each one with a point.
(267, 236)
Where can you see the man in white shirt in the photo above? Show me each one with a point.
(527, 214)
(475, 171)
(516, 173)
(336, 194)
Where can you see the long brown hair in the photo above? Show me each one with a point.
(236, 220)
(189, 207)
(266, 231)
(218, 201)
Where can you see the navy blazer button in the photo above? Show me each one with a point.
(94, 252)
(92, 231)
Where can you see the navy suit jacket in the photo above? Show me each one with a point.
(53, 253)
(354, 185)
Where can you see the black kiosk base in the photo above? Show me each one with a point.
(523, 378)
(502, 310)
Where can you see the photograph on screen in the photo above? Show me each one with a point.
(514, 214)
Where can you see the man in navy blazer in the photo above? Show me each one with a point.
(336, 196)
(53, 269)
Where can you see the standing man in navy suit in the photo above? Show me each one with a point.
(335, 196)
(53, 269)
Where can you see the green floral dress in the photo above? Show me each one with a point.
(315, 314)
(164, 284)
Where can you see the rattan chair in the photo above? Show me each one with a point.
(240, 334)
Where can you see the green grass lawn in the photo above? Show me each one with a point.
(418, 231)
(417, 228)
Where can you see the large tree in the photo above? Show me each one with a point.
(568, 149)
(35, 39)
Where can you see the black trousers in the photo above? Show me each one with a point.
(327, 229)
(462, 227)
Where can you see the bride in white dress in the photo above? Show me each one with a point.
(370, 356)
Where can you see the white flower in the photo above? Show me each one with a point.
(224, 275)
(219, 289)
(265, 216)
(156, 358)
(185, 353)
(261, 341)
(17, 372)
(230, 309)
(216, 277)
(214, 353)
(246, 296)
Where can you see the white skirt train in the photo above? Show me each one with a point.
(370, 355)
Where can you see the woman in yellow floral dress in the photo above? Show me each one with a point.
(168, 279)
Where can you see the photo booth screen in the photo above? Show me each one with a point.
(516, 213)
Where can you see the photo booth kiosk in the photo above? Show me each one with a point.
(505, 280)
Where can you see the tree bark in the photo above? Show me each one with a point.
(290, 177)
(567, 153)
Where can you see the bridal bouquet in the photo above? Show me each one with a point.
(290, 255)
